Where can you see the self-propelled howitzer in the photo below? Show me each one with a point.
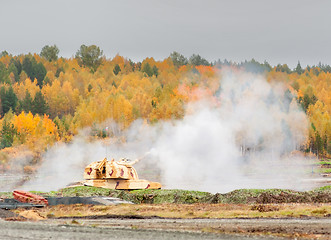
(116, 175)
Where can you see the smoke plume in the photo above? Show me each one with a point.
(241, 139)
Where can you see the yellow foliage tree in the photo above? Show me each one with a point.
(35, 131)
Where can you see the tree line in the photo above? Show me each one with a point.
(45, 98)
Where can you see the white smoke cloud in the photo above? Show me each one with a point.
(244, 141)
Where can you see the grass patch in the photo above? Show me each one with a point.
(176, 196)
(240, 196)
(169, 196)
(324, 162)
(83, 191)
(137, 196)
(250, 195)
(6, 195)
(324, 189)
(324, 170)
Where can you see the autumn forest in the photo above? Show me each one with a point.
(45, 99)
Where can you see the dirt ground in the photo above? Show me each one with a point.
(7, 215)
(60, 230)
(304, 228)
(285, 220)
(199, 210)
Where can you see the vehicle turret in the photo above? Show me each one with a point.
(116, 175)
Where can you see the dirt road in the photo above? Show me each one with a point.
(167, 229)
(309, 228)
(91, 230)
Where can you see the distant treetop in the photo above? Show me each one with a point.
(89, 56)
(50, 52)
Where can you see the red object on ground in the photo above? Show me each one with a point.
(27, 197)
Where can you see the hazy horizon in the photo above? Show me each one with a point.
(275, 31)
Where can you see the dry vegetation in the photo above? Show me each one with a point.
(184, 211)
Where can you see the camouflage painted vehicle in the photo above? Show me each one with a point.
(116, 175)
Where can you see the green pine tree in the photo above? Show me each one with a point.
(155, 71)
(148, 70)
(26, 103)
(116, 69)
(8, 99)
(8, 133)
(298, 69)
(39, 105)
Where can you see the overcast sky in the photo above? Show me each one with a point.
(279, 31)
